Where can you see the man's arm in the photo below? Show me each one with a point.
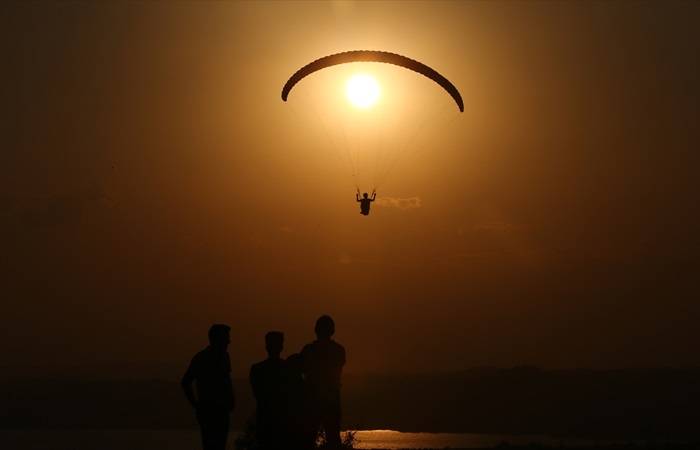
(357, 197)
(254, 383)
(305, 359)
(186, 384)
(233, 394)
(374, 195)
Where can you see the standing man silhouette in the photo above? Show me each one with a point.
(210, 370)
(323, 362)
(268, 379)
(301, 435)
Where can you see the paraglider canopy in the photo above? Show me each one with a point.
(373, 56)
(371, 143)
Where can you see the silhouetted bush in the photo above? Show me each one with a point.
(348, 443)
(247, 440)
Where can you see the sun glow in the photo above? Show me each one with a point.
(362, 90)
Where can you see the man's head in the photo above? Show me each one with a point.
(365, 195)
(325, 327)
(274, 342)
(219, 336)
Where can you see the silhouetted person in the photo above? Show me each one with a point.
(323, 362)
(268, 379)
(300, 431)
(365, 201)
(210, 370)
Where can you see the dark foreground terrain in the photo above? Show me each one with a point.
(187, 439)
(654, 405)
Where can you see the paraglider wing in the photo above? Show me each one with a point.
(373, 56)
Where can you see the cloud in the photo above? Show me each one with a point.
(399, 203)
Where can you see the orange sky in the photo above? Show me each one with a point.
(154, 183)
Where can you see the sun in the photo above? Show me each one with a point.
(362, 90)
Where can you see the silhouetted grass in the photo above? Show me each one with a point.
(247, 440)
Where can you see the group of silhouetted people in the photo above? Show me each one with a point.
(296, 397)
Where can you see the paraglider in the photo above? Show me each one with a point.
(371, 56)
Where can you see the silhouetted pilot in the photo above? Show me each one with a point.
(365, 201)
(323, 362)
(269, 379)
(210, 370)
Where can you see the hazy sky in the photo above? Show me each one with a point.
(153, 182)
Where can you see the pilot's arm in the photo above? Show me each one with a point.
(357, 197)
(374, 195)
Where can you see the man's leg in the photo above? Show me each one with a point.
(312, 424)
(331, 424)
(262, 431)
(205, 429)
(214, 429)
(220, 433)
